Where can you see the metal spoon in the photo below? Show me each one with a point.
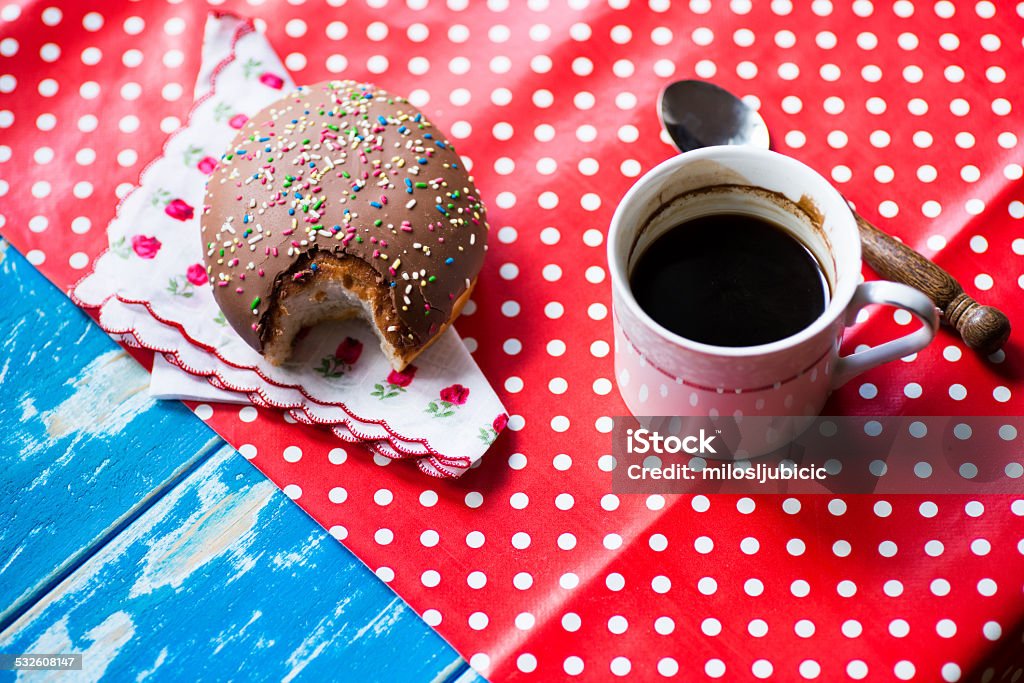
(700, 114)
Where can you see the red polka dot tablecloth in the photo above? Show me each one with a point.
(528, 565)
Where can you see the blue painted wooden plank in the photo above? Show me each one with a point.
(87, 457)
(84, 447)
(223, 578)
(468, 675)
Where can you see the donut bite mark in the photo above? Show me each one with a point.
(342, 201)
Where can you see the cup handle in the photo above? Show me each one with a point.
(890, 294)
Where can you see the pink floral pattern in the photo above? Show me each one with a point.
(349, 350)
(402, 378)
(162, 266)
(179, 209)
(344, 357)
(196, 274)
(395, 383)
(207, 165)
(456, 394)
(451, 398)
(145, 246)
(489, 434)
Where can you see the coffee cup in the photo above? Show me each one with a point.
(662, 373)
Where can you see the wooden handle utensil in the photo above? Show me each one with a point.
(983, 328)
(697, 113)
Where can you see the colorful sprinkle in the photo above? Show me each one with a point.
(316, 144)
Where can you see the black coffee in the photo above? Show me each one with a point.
(730, 280)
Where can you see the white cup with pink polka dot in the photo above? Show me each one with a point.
(661, 373)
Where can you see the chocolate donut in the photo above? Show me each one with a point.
(340, 200)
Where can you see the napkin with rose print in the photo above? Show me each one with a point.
(152, 291)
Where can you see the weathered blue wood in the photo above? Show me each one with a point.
(84, 448)
(151, 546)
(226, 578)
(468, 675)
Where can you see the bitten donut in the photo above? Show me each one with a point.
(338, 201)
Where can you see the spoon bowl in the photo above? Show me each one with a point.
(699, 114)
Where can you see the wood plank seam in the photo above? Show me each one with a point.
(11, 614)
(463, 674)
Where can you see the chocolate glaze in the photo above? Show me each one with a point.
(348, 169)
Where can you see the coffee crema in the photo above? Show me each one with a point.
(730, 279)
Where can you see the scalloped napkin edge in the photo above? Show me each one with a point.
(152, 292)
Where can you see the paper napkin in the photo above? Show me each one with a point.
(152, 289)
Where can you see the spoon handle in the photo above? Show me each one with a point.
(983, 328)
